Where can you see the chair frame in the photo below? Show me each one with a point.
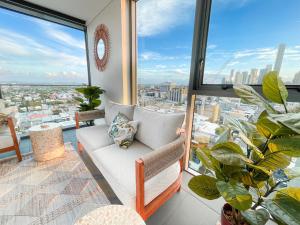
(14, 147)
(146, 211)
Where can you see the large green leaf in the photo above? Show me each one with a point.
(203, 155)
(231, 146)
(251, 145)
(247, 130)
(285, 206)
(204, 186)
(249, 95)
(230, 158)
(256, 217)
(287, 145)
(235, 194)
(260, 168)
(269, 127)
(274, 89)
(290, 120)
(229, 153)
(274, 161)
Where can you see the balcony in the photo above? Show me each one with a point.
(181, 107)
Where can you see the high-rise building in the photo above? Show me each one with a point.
(253, 79)
(296, 80)
(238, 78)
(279, 58)
(263, 72)
(231, 78)
(167, 86)
(245, 77)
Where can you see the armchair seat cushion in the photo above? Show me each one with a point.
(94, 137)
(118, 167)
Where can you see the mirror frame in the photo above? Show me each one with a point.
(101, 32)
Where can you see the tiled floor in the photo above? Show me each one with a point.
(184, 208)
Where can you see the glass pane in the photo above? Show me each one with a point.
(41, 64)
(211, 118)
(247, 39)
(164, 53)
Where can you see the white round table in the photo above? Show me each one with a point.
(47, 141)
(111, 215)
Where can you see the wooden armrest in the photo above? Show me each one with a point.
(88, 115)
(152, 164)
(163, 157)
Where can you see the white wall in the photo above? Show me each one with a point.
(115, 79)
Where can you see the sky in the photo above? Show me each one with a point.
(243, 34)
(40, 52)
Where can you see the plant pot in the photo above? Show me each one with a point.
(224, 220)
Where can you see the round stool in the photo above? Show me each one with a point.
(47, 141)
(111, 215)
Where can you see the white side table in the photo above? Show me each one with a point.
(47, 141)
(112, 215)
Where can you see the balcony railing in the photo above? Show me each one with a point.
(37, 104)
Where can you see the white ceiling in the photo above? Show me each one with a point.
(81, 9)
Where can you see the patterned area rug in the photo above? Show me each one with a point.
(56, 192)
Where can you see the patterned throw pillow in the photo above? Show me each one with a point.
(122, 130)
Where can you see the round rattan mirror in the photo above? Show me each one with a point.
(101, 47)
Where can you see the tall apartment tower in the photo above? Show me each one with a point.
(279, 58)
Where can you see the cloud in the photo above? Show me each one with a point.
(233, 4)
(211, 46)
(155, 56)
(9, 47)
(233, 63)
(65, 75)
(155, 17)
(260, 53)
(54, 32)
(22, 55)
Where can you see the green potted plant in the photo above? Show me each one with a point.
(252, 175)
(91, 99)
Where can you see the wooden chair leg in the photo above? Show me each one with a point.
(18, 153)
(80, 147)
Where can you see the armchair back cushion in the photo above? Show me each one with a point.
(157, 129)
(112, 109)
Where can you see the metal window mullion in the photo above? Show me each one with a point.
(197, 65)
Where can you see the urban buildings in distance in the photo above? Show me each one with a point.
(255, 75)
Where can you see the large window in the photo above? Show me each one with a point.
(41, 64)
(247, 39)
(239, 43)
(165, 34)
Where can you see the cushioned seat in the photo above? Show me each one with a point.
(118, 167)
(98, 122)
(94, 137)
